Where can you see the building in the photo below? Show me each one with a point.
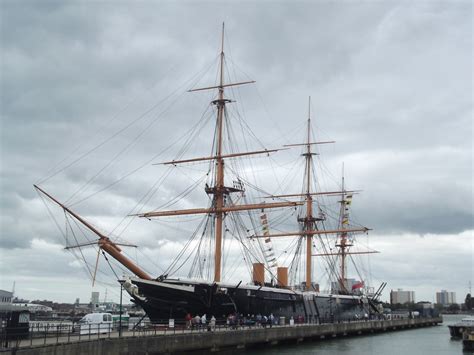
(402, 297)
(5, 297)
(35, 307)
(445, 298)
(95, 298)
(426, 309)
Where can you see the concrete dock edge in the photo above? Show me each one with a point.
(221, 340)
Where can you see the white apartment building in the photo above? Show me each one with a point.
(400, 296)
(445, 298)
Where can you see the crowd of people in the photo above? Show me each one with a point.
(232, 321)
(200, 322)
(236, 320)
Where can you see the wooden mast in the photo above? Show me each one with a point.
(342, 244)
(321, 231)
(309, 220)
(219, 191)
(330, 193)
(233, 155)
(225, 209)
(349, 253)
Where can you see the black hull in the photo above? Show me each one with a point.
(174, 299)
(456, 331)
(468, 345)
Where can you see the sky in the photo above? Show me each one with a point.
(92, 91)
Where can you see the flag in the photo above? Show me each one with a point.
(348, 199)
(357, 285)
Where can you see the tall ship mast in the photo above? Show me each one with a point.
(165, 296)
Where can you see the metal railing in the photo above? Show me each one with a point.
(50, 334)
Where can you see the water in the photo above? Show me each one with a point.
(420, 341)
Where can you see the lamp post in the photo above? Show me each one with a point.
(120, 312)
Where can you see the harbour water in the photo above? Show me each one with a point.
(421, 341)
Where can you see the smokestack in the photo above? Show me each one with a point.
(282, 276)
(258, 274)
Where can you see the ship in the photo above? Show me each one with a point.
(456, 330)
(268, 291)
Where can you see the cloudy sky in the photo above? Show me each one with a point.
(94, 90)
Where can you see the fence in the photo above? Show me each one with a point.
(49, 334)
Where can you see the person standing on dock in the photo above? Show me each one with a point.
(212, 323)
(271, 318)
(188, 320)
(197, 321)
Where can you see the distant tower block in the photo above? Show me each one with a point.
(95, 297)
(258, 274)
(282, 276)
(445, 298)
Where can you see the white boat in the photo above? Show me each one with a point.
(458, 328)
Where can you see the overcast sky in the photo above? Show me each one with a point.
(391, 82)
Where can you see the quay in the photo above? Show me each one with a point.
(169, 341)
